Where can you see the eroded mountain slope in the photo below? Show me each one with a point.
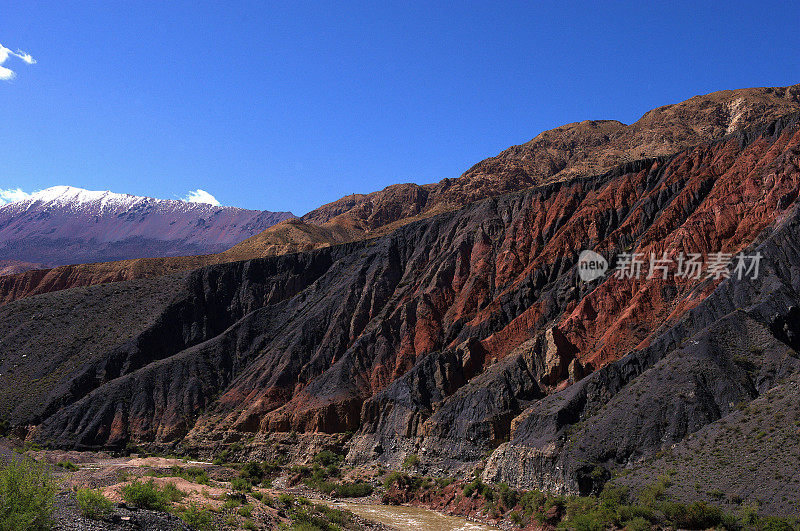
(398, 338)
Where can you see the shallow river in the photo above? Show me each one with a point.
(410, 518)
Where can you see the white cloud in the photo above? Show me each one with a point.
(11, 195)
(201, 196)
(6, 74)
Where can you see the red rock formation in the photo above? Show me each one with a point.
(501, 271)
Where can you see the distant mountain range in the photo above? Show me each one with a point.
(68, 225)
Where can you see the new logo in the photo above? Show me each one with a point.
(591, 266)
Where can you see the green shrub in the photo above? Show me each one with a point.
(252, 472)
(628, 513)
(584, 522)
(352, 490)
(268, 500)
(411, 461)
(173, 493)
(508, 496)
(334, 516)
(614, 495)
(638, 524)
(444, 482)
(477, 486)
(698, 515)
(195, 474)
(340, 490)
(232, 501)
(249, 525)
(196, 517)
(285, 500)
(241, 485)
(236, 448)
(26, 496)
(532, 501)
(67, 465)
(93, 504)
(328, 458)
(222, 457)
(652, 494)
(774, 523)
(392, 478)
(131, 448)
(246, 510)
(271, 467)
(145, 495)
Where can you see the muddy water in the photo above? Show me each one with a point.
(410, 518)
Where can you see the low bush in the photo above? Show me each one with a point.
(145, 495)
(241, 485)
(393, 478)
(252, 472)
(93, 504)
(698, 515)
(328, 458)
(340, 490)
(26, 496)
(222, 457)
(232, 501)
(195, 474)
(638, 524)
(411, 461)
(173, 493)
(67, 465)
(508, 496)
(196, 517)
(352, 490)
(477, 486)
(285, 500)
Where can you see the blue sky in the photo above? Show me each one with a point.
(286, 106)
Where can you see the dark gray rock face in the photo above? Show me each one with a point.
(723, 354)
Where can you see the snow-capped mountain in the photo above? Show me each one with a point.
(68, 225)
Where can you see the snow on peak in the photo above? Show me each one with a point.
(73, 198)
(72, 195)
